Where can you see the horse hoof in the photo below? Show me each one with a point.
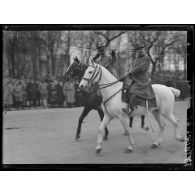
(180, 139)
(77, 137)
(105, 138)
(146, 128)
(125, 134)
(128, 150)
(154, 146)
(98, 150)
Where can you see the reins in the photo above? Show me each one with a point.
(102, 86)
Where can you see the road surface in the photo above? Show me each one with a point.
(47, 136)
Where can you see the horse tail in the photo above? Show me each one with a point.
(176, 92)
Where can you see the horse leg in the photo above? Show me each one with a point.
(175, 122)
(156, 115)
(101, 114)
(85, 112)
(130, 124)
(103, 124)
(143, 123)
(124, 122)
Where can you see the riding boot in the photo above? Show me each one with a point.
(125, 94)
(126, 89)
(131, 105)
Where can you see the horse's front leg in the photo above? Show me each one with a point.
(102, 126)
(130, 124)
(124, 121)
(85, 112)
(101, 114)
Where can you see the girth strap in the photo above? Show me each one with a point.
(104, 103)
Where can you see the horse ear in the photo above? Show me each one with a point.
(92, 62)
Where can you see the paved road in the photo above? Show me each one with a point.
(48, 136)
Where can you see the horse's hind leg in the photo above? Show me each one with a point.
(85, 112)
(131, 122)
(143, 123)
(156, 115)
(175, 122)
(101, 114)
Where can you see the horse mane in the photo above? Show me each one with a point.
(108, 73)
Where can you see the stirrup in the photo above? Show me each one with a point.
(126, 111)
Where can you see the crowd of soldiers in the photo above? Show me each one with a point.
(30, 93)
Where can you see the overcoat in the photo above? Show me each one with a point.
(32, 91)
(8, 94)
(141, 85)
(60, 94)
(69, 92)
(18, 93)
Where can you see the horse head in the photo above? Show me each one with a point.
(91, 74)
(76, 69)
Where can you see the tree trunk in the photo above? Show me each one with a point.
(40, 65)
(185, 69)
(12, 61)
(153, 68)
(53, 64)
(68, 49)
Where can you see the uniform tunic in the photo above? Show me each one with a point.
(108, 63)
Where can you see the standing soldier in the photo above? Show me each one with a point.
(8, 94)
(18, 94)
(60, 95)
(25, 93)
(106, 61)
(31, 93)
(69, 92)
(44, 93)
(137, 83)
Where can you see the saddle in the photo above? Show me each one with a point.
(142, 102)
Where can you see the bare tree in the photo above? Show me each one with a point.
(108, 36)
(157, 43)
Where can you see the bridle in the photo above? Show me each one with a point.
(97, 71)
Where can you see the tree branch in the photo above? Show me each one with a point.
(102, 34)
(108, 40)
(117, 36)
(169, 44)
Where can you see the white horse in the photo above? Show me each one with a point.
(110, 89)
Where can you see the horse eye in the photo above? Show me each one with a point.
(90, 72)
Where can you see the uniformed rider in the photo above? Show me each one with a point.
(137, 83)
(107, 61)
